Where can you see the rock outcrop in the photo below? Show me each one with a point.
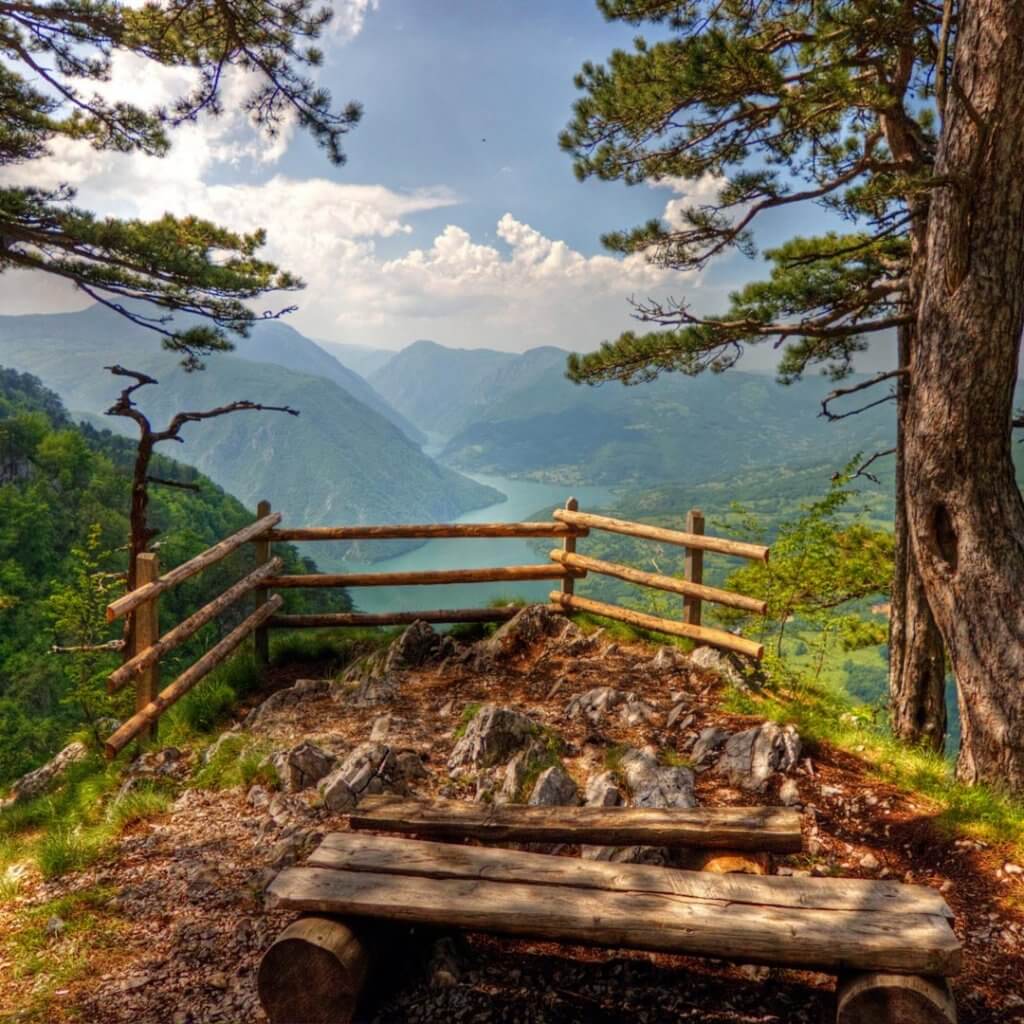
(37, 782)
(750, 758)
(492, 736)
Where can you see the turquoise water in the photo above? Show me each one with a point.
(524, 499)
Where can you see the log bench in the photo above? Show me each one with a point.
(890, 944)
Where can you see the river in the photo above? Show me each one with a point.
(524, 498)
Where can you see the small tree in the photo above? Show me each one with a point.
(53, 53)
(140, 532)
(77, 608)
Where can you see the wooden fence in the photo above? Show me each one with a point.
(565, 564)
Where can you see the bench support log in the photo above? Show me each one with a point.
(874, 998)
(314, 972)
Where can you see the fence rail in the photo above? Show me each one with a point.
(565, 564)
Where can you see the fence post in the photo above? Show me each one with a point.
(261, 637)
(694, 567)
(569, 547)
(145, 633)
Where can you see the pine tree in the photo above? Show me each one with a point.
(53, 54)
(776, 104)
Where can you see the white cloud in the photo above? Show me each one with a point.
(702, 192)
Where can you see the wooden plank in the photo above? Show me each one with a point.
(209, 557)
(429, 531)
(391, 855)
(694, 568)
(704, 634)
(497, 574)
(659, 581)
(336, 619)
(824, 939)
(146, 629)
(773, 829)
(741, 549)
(158, 648)
(192, 675)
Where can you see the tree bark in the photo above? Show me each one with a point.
(965, 512)
(917, 661)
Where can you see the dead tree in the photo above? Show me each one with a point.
(140, 532)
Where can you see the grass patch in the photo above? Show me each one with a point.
(337, 647)
(469, 712)
(545, 754)
(50, 945)
(239, 761)
(673, 759)
(613, 757)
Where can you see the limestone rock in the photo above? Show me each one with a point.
(517, 771)
(303, 689)
(751, 757)
(603, 791)
(367, 768)
(709, 740)
(596, 703)
(302, 766)
(554, 788)
(38, 781)
(638, 712)
(535, 623)
(493, 735)
(710, 659)
(415, 647)
(789, 793)
(337, 795)
(668, 659)
(654, 785)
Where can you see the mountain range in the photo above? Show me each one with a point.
(340, 461)
(518, 415)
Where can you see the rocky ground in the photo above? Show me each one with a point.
(538, 712)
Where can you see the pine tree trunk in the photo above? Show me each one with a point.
(965, 512)
(917, 662)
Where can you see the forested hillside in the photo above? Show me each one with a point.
(339, 461)
(64, 497)
(518, 415)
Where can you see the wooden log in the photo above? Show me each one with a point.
(876, 998)
(731, 828)
(170, 694)
(694, 567)
(314, 972)
(569, 548)
(398, 855)
(262, 546)
(823, 939)
(337, 619)
(703, 634)
(734, 862)
(209, 557)
(740, 549)
(659, 581)
(156, 650)
(146, 628)
(429, 531)
(506, 573)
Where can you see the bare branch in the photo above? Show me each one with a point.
(109, 645)
(862, 469)
(172, 483)
(178, 421)
(862, 386)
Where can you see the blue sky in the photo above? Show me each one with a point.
(428, 230)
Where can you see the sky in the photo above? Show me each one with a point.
(456, 218)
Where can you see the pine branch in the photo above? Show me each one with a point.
(879, 378)
(861, 470)
(173, 483)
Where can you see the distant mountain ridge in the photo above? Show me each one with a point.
(518, 415)
(339, 462)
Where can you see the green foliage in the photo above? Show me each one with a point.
(53, 56)
(823, 561)
(469, 712)
(763, 106)
(64, 495)
(239, 761)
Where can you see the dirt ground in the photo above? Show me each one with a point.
(186, 923)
